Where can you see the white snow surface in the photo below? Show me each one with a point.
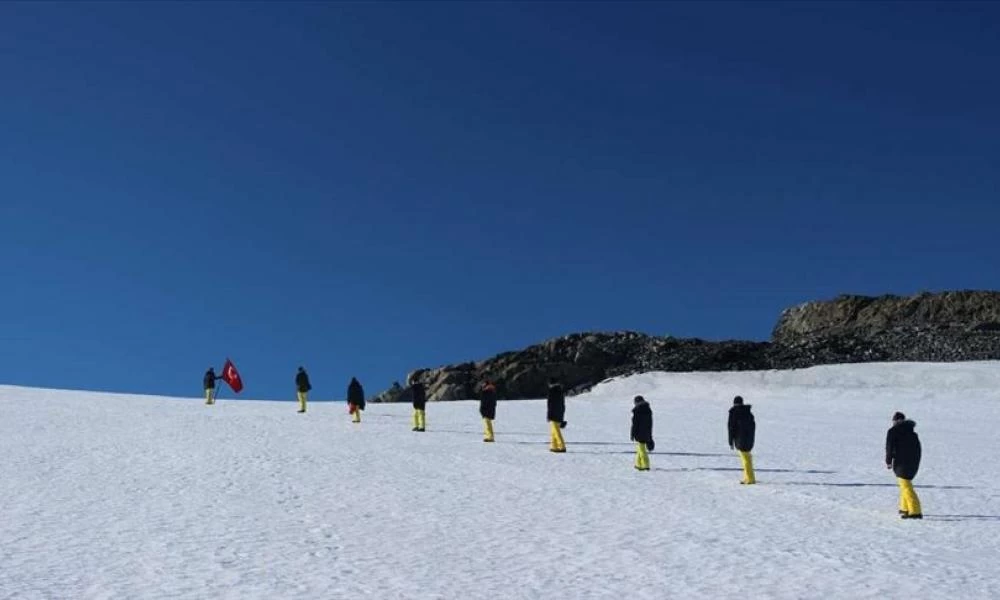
(115, 496)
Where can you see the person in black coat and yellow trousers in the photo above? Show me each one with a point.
(488, 408)
(742, 431)
(355, 399)
(642, 432)
(419, 396)
(556, 414)
(209, 383)
(302, 387)
(902, 455)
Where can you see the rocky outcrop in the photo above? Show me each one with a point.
(393, 394)
(901, 344)
(865, 316)
(580, 361)
(953, 326)
(945, 327)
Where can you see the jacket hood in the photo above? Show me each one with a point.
(908, 424)
(740, 407)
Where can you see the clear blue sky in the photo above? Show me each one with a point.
(364, 188)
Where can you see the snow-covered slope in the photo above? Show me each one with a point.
(105, 496)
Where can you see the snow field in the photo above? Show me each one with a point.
(112, 496)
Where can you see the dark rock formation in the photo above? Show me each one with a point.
(393, 394)
(864, 315)
(900, 344)
(947, 327)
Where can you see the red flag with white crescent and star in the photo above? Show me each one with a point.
(231, 376)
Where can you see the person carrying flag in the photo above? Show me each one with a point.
(209, 385)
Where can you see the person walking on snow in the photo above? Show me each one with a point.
(642, 432)
(302, 387)
(355, 399)
(742, 431)
(419, 395)
(902, 455)
(209, 383)
(488, 408)
(556, 413)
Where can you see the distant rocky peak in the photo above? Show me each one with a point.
(950, 326)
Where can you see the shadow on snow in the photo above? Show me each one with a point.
(498, 433)
(573, 444)
(738, 470)
(963, 517)
(887, 485)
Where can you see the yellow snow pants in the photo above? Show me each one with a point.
(209, 396)
(908, 501)
(557, 444)
(302, 401)
(641, 457)
(419, 418)
(488, 430)
(356, 413)
(748, 475)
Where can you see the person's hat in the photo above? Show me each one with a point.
(738, 400)
(898, 417)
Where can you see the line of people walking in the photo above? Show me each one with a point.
(902, 446)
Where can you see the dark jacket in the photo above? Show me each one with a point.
(488, 402)
(419, 396)
(556, 404)
(302, 382)
(742, 428)
(210, 378)
(356, 394)
(642, 423)
(902, 449)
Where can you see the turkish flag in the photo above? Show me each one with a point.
(231, 376)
